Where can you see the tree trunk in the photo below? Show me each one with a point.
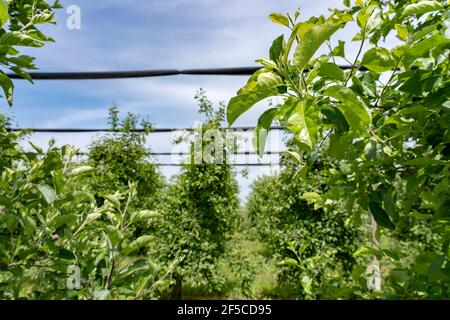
(177, 288)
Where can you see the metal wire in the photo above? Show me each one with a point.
(157, 130)
(231, 164)
(240, 153)
(105, 75)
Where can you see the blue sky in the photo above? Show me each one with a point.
(150, 34)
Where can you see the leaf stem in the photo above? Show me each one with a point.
(357, 55)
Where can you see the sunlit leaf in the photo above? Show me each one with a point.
(421, 7)
(262, 86)
(311, 40)
(304, 122)
(47, 192)
(378, 60)
(279, 18)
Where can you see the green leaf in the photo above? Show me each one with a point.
(279, 18)
(277, 48)
(20, 72)
(304, 122)
(16, 271)
(339, 51)
(422, 33)
(89, 219)
(144, 215)
(113, 199)
(311, 40)
(423, 48)
(402, 32)
(66, 254)
(365, 14)
(303, 172)
(138, 243)
(331, 71)
(367, 85)
(38, 35)
(288, 262)
(8, 87)
(353, 109)
(58, 181)
(92, 217)
(313, 198)
(4, 15)
(295, 155)
(262, 129)
(46, 16)
(47, 192)
(380, 216)
(80, 170)
(11, 220)
(268, 63)
(5, 202)
(421, 7)
(61, 220)
(335, 116)
(16, 38)
(35, 147)
(379, 60)
(368, 251)
(262, 85)
(436, 265)
(28, 223)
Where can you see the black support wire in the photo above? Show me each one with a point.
(231, 164)
(239, 153)
(105, 75)
(157, 130)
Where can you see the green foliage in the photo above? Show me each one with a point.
(122, 156)
(51, 225)
(18, 27)
(313, 246)
(199, 213)
(386, 128)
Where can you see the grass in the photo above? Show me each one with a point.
(249, 272)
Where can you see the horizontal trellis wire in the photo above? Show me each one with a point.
(105, 75)
(157, 130)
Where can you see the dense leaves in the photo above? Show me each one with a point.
(200, 211)
(123, 156)
(386, 125)
(19, 20)
(314, 247)
(50, 224)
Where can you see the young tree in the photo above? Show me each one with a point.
(313, 246)
(122, 156)
(200, 210)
